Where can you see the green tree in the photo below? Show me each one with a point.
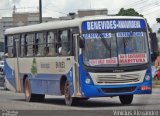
(159, 30)
(128, 12)
(158, 20)
(34, 67)
(131, 12)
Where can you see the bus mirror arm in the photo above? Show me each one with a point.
(81, 43)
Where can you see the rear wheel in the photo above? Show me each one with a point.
(30, 97)
(126, 99)
(69, 100)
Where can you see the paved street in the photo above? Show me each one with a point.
(15, 101)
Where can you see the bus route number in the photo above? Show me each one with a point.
(60, 65)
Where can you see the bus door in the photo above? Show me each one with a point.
(16, 65)
(76, 65)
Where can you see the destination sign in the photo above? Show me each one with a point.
(113, 24)
(129, 34)
(96, 35)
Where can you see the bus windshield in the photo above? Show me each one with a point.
(115, 49)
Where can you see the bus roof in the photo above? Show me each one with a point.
(101, 17)
(62, 24)
(43, 26)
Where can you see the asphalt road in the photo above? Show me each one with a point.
(15, 101)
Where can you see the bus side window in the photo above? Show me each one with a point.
(10, 46)
(35, 46)
(16, 44)
(65, 44)
(30, 42)
(23, 45)
(51, 44)
(40, 44)
(45, 49)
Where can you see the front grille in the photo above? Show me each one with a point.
(123, 78)
(118, 90)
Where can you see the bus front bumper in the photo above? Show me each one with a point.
(116, 90)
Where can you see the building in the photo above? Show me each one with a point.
(91, 12)
(83, 13)
(19, 19)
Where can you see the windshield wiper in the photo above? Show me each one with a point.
(105, 43)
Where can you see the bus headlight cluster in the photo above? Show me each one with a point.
(147, 77)
(88, 81)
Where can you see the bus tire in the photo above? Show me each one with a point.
(69, 100)
(30, 97)
(126, 99)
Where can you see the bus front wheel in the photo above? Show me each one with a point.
(69, 100)
(126, 99)
(30, 97)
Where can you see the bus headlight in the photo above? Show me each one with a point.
(147, 77)
(88, 81)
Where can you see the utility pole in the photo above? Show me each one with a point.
(40, 11)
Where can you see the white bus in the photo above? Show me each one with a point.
(97, 56)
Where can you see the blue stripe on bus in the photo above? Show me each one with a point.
(42, 83)
(50, 83)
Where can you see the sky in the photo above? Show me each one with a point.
(56, 8)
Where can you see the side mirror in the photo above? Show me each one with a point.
(81, 43)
